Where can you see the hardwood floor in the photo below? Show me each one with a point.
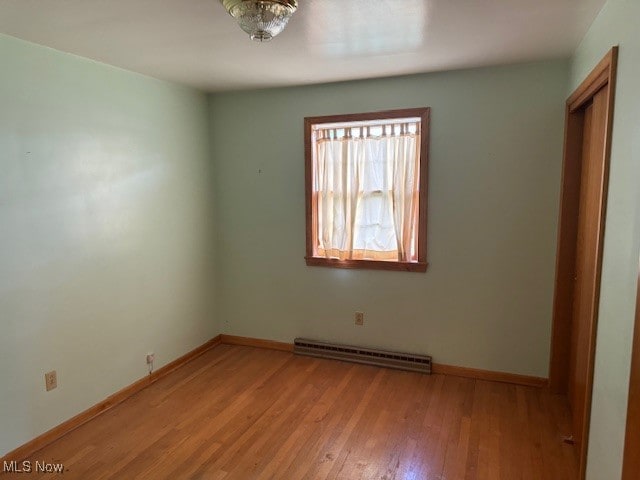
(247, 413)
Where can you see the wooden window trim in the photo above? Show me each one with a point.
(310, 199)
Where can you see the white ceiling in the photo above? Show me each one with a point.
(196, 43)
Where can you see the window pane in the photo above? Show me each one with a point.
(365, 188)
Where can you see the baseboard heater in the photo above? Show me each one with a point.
(369, 356)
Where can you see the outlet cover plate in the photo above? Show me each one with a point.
(51, 380)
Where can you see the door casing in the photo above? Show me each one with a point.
(631, 463)
(602, 77)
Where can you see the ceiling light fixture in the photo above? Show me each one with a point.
(261, 19)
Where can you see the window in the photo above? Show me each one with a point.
(366, 190)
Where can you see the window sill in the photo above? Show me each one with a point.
(367, 264)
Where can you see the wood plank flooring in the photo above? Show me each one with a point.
(247, 413)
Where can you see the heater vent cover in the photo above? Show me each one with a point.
(369, 356)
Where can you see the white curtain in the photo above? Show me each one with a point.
(366, 192)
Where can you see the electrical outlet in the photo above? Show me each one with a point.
(150, 358)
(50, 380)
(359, 318)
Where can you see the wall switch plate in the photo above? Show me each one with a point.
(359, 318)
(50, 380)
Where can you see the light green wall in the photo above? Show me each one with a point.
(105, 232)
(494, 175)
(616, 24)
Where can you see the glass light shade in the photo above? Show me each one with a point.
(261, 19)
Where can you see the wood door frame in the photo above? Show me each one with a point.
(631, 462)
(603, 75)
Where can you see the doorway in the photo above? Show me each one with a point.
(585, 171)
